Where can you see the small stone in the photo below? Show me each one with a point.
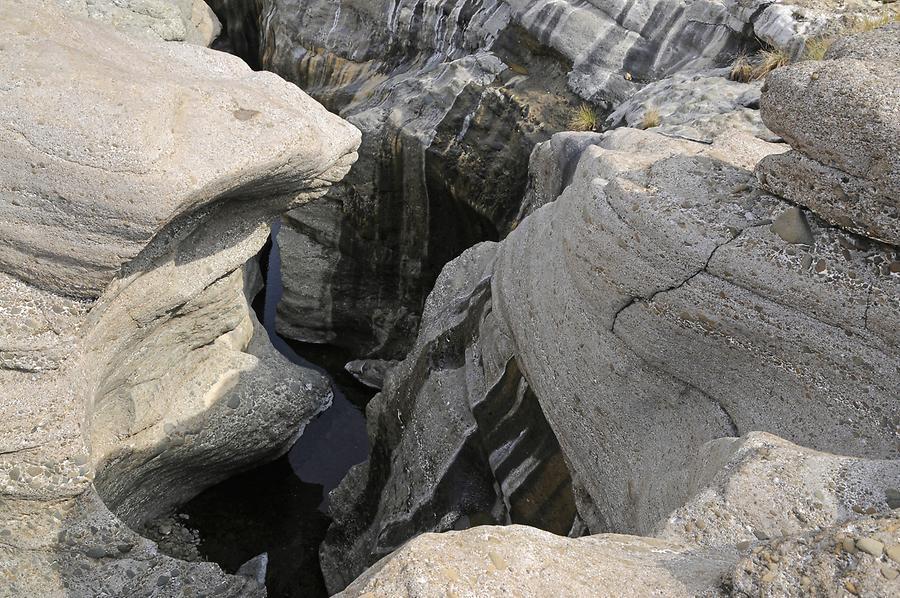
(125, 547)
(893, 552)
(768, 577)
(848, 545)
(743, 545)
(851, 587)
(162, 580)
(889, 573)
(761, 535)
(793, 228)
(234, 402)
(497, 560)
(870, 546)
(95, 552)
(892, 497)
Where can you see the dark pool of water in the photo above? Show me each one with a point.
(281, 507)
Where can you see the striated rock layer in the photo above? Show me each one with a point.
(137, 183)
(451, 97)
(662, 305)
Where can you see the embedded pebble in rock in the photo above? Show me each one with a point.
(792, 226)
(870, 546)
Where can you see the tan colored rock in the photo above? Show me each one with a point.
(136, 141)
(842, 118)
(498, 562)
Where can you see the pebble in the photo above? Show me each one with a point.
(848, 545)
(497, 560)
(851, 587)
(889, 573)
(870, 546)
(893, 552)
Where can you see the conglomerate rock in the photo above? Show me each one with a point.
(189, 21)
(138, 180)
(845, 165)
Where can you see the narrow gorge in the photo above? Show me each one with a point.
(449, 298)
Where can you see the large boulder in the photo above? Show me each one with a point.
(138, 180)
(495, 562)
(189, 21)
(845, 165)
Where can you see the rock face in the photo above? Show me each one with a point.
(452, 96)
(845, 165)
(662, 303)
(138, 180)
(522, 561)
(189, 21)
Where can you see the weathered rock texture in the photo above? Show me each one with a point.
(661, 302)
(137, 183)
(451, 97)
(495, 562)
(845, 165)
(189, 21)
(859, 558)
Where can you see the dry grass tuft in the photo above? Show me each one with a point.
(816, 47)
(651, 118)
(769, 60)
(861, 24)
(742, 69)
(584, 119)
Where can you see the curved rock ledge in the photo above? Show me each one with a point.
(138, 180)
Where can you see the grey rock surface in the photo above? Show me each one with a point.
(452, 97)
(651, 309)
(842, 117)
(138, 180)
(189, 21)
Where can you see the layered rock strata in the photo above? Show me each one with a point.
(452, 97)
(662, 303)
(138, 180)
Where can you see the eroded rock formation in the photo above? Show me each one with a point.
(138, 180)
(452, 97)
(664, 302)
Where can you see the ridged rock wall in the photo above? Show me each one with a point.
(138, 180)
(451, 97)
(662, 303)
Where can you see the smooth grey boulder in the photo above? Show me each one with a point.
(842, 119)
(138, 180)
